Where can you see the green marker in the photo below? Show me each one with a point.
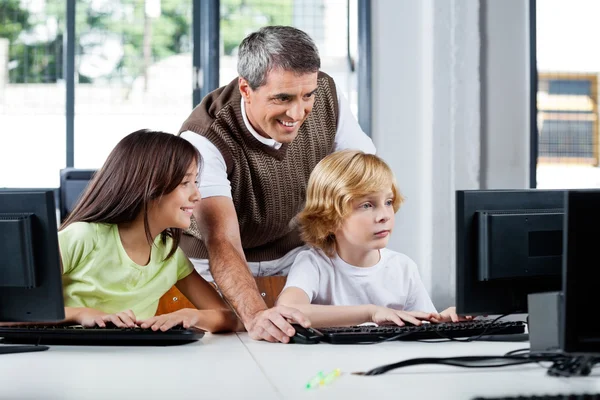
(314, 382)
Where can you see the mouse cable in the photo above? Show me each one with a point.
(465, 362)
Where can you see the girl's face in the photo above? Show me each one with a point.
(369, 225)
(174, 210)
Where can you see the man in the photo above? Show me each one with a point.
(260, 137)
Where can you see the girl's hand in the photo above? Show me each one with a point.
(186, 317)
(450, 315)
(384, 315)
(90, 317)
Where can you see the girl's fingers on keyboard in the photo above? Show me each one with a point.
(131, 315)
(126, 318)
(115, 320)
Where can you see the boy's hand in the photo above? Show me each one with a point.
(90, 317)
(384, 315)
(186, 317)
(450, 315)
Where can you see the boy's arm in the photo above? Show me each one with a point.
(324, 316)
(214, 314)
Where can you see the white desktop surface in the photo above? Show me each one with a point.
(289, 367)
(236, 367)
(216, 367)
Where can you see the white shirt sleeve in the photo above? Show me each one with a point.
(349, 134)
(418, 298)
(213, 176)
(304, 274)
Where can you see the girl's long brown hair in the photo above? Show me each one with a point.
(142, 167)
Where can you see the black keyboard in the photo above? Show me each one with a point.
(571, 396)
(109, 336)
(468, 329)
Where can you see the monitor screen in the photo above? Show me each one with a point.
(508, 244)
(30, 275)
(581, 272)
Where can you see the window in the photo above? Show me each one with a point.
(567, 96)
(328, 22)
(133, 71)
(568, 118)
(32, 93)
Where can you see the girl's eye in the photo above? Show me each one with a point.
(366, 206)
(389, 202)
(197, 184)
(185, 183)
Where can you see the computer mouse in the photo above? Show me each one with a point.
(305, 335)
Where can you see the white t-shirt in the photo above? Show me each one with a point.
(393, 282)
(213, 176)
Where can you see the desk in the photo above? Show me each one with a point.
(236, 367)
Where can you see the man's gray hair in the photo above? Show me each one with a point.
(276, 47)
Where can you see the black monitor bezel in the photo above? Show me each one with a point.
(477, 298)
(43, 303)
(570, 334)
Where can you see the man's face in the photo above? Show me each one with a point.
(278, 108)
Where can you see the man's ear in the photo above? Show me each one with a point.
(245, 89)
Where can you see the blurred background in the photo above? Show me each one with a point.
(133, 69)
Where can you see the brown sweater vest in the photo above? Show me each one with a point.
(268, 186)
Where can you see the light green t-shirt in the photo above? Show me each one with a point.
(98, 273)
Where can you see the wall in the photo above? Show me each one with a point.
(445, 118)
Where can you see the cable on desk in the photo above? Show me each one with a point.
(465, 362)
(564, 365)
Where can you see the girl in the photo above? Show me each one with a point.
(348, 277)
(119, 246)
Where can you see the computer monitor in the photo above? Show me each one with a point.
(73, 183)
(581, 272)
(508, 245)
(30, 275)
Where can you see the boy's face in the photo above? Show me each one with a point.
(370, 224)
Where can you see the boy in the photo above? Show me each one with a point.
(347, 276)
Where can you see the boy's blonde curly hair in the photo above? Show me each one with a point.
(335, 182)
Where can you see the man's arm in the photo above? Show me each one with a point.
(218, 225)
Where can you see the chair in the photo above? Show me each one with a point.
(72, 184)
(268, 286)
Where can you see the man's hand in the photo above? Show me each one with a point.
(273, 324)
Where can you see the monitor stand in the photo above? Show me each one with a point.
(5, 349)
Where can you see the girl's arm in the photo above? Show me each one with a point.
(325, 316)
(212, 314)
